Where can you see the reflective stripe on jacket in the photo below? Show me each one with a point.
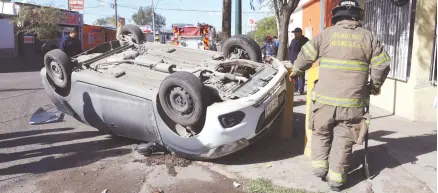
(347, 55)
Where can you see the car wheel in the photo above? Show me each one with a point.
(58, 66)
(181, 97)
(242, 47)
(132, 33)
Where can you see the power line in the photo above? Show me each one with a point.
(211, 11)
(187, 10)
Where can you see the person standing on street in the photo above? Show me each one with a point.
(295, 48)
(276, 41)
(71, 44)
(269, 47)
(348, 55)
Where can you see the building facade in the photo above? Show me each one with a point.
(409, 35)
(10, 10)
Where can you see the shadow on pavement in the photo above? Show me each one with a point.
(299, 103)
(21, 64)
(31, 132)
(19, 89)
(72, 155)
(47, 139)
(381, 157)
(270, 148)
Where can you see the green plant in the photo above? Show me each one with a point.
(43, 21)
(266, 186)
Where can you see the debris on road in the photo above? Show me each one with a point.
(105, 191)
(169, 160)
(268, 165)
(236, 185)
(158, 191)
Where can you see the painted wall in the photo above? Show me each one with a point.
(92, 36)
(296, 20)
(328, 6)
(311, 19)
(7, 40)
(7, 34)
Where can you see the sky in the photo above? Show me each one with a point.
(207, 11)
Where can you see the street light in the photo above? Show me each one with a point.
(153, 17)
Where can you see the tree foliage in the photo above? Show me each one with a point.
(144, 17)
(41, 21)
(282, 9)
(110, 21)
(264, 27)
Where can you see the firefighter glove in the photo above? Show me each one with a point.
(373, 90)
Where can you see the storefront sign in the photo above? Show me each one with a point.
(72, 19)
(146, 28)
(28, 39)
(122, 20)
(76, 5)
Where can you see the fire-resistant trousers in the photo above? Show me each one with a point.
(334, 132)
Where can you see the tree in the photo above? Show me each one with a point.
(283, 9)
(226, 19)
(144, 17)
(41, 21)
(110, 20)
(265, 27)
(101, 22)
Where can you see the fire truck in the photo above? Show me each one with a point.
(200, 37)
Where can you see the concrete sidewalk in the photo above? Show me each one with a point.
(402, 157)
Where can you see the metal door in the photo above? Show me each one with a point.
(393, 25)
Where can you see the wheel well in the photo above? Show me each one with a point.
(172, 125)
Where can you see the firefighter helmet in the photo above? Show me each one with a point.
(347, 9)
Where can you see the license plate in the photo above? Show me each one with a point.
(271, 106)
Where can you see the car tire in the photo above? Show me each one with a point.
(181, 96)
(244, 42)
(58, 66)
(135, 32)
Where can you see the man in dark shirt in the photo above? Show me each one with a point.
(71, 44)
(295, 48)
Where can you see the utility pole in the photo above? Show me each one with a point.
(226, 20)
(153, 20)
(117, 17)
(238, 18)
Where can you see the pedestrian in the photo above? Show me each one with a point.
(71, 44)
(348, 54)
(277, 42)
(269, 47)
(295, 48)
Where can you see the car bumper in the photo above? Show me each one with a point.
(259, 117)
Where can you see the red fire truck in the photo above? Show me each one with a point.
(201, 36)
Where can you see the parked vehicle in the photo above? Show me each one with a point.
(195, 103)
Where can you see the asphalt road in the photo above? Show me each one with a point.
(72, 157)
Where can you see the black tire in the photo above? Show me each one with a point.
(246, 43)
(135, 32)
(189, 89)
(59, 71)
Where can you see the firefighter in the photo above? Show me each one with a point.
(348, 54)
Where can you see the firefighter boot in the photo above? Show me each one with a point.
(320, 173)
(335, 186)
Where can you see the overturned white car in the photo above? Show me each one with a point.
(195, 103)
